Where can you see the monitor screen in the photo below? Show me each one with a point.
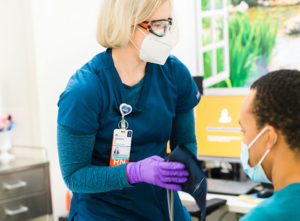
(217, 127)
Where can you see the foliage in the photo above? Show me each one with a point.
(251, 3)
(242, 51)
(247, 42)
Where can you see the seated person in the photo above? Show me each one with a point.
(270, 121)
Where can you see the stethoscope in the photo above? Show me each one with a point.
(170, 198)
(126, 109)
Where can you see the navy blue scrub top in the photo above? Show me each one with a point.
(90, 104)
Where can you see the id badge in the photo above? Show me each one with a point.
(121, 146)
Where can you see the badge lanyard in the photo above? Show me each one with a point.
(121, 144)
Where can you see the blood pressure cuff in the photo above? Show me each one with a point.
(196, 184)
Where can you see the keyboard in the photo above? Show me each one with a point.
(229, 187)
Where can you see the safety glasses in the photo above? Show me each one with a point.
(157, 27)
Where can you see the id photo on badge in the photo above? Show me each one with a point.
(116, 151)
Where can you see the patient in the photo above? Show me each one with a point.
(270, 121)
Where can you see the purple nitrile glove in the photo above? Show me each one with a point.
(154, 170)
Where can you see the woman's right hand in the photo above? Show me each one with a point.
(154, 170)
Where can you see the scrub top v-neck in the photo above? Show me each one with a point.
(144, 92)
(90, 104)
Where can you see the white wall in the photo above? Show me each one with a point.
(186, 48)
(64, 37)
(17, 86)
(59, 38)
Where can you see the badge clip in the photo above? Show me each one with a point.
(125, 109)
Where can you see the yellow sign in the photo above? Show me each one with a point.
(217, 129)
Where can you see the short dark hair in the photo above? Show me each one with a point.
(277, 103)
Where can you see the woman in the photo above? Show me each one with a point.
(133, 96)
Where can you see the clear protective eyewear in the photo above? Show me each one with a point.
(157, 27)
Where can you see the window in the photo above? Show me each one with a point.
(212, 41)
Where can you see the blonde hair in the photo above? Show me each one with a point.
(118, 20)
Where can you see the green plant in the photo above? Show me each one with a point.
(205, 4)
(251, 3)
(247, 42)
(265, 36)
(207, 60)
(242, 51)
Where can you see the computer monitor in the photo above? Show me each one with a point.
(218, 131)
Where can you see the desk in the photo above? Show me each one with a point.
(234, 204)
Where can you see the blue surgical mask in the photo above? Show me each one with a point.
(257, 173)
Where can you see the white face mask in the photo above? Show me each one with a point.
(156, 49)
(257, 173)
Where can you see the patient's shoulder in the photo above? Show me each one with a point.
(258, 214)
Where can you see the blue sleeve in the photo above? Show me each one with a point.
(79, 105)
(266, 210)
(188, 93)
(187, 214)
(75, 156)
(257, 214)
(183, 131)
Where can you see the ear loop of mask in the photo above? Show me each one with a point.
(257, 137)
(275, 140)
(268, 150)
(133, 42)
(134, 45)
(263, 157)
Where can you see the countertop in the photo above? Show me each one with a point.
(25, 157)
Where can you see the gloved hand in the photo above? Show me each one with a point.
(154, 170)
